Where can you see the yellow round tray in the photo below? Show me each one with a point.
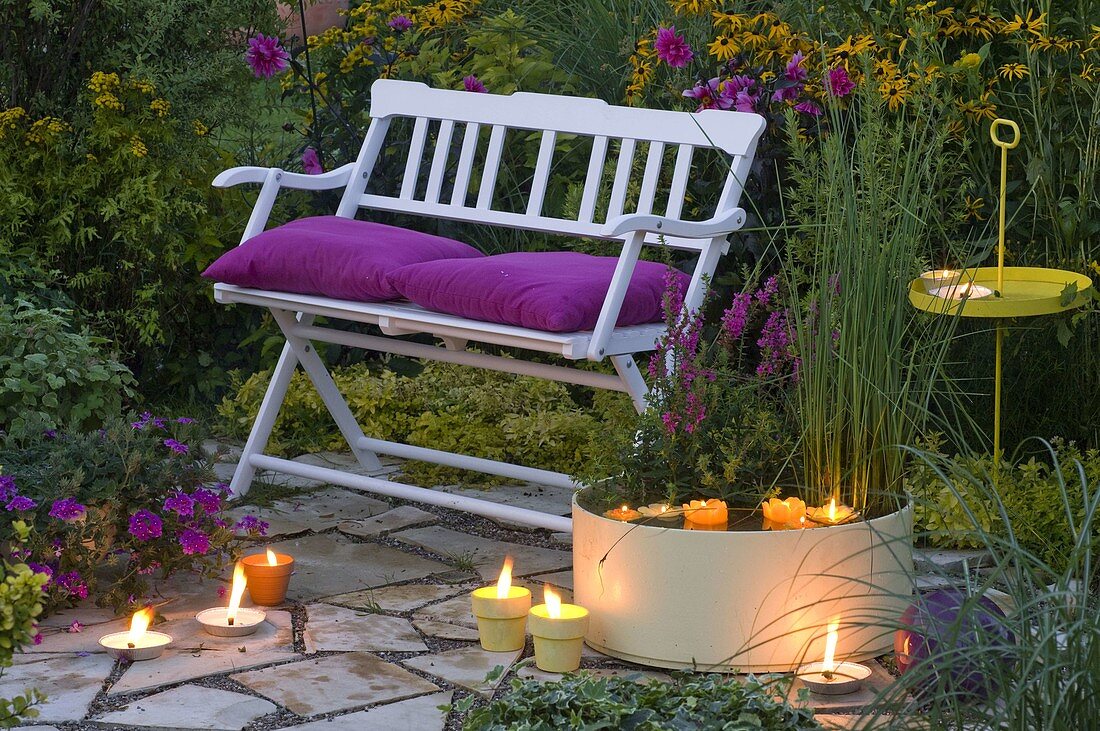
(1028, 291)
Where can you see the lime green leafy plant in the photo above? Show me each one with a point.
(20, 603)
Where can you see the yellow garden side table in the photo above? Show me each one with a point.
(1002, 292)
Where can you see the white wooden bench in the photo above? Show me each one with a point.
(464, 191)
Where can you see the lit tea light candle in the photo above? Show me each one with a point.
(660, 511)
(789, 513)
(268, 576)
(501, 612)
(233, 620)
(705, 515)
(829, 677)
(831, 514)
(938, 278)
(965, 291)
(558, 631)
(624, 513)
(139, 643)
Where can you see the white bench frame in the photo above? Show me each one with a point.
(442, 111)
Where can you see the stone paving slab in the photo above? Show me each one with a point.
(346, 462)
(335, 629)
(466, 666)
(564, 579)
(400, 517)
(457, 610)
(315, 511)
(936, 561)
(487, 554)
(70, 682)
(444, 631)
(335, 683)
(415, 714)
(327, 565)
(195, 654)
(192, 707)
(403, 598)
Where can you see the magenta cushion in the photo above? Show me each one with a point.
(551, 291)
(331, 256)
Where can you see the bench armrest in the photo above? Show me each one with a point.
(337, 178)
(720, 225)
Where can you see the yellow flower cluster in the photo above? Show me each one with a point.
(144, 87)
(201, 130)
(9, 119)
(45, 130)
(105, 86)
(138, 147)
(160, 107)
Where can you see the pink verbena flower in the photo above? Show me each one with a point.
(177, 447)
(252, 525)
(472, 83)
(266, 56)
(808, 107)
(208, 500)
(311, 162)
(194, 541)
(20, 503)
(839, 83)
(67, 509)
(145, 525)
(73, 584)
(672, 48)
(181, 504)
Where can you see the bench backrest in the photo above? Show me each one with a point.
(463, 190)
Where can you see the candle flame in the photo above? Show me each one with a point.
(828, 665)
(624, 508)
(504, 583)
(832, 509)
(553, 602)
(140, 622)
(271, 559)
(239, 582)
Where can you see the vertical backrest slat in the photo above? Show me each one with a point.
(416, 152)
(678, 188)
(653, 162)
(542, 172)
(593, 179)
(465, 164)
(622, 178)
(439, 161)
(492, 165)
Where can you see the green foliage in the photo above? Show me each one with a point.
(55, 375)
(21, 601)
(953, 512)
(115, 203)
(114, 473)
(687, 702)
(484, 413)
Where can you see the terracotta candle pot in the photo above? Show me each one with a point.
(267, 583)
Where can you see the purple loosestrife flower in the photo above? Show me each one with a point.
(400, 23)
(672, 48)
(19, 503)
(765, 294)
(808, 107)
(67, 510)
(735, 319)
(208, 500)
(194, 541)
(839, 83)
(774, 342)
(145, 525)
(181, 504)
(311, 163)
(266, 56)
(472, 83)
(177, 447)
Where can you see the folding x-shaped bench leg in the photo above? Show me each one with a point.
(297, 351)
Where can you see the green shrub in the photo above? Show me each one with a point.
(484, 413)
(687, 702)
(21, 601)
(53, 374)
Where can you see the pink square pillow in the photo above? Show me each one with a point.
(332, 256)
(550, 291)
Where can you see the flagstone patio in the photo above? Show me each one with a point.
(376, 632)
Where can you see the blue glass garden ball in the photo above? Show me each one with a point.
(932, 628)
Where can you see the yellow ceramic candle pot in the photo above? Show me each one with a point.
(501, 613)
(558, 630)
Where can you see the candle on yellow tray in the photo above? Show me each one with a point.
(558, 631)
(784, 514)
(624, 513)
(705, 515)
(831, 514)
(501, 612)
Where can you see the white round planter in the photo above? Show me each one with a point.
(749, 601)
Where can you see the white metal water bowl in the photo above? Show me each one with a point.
(753, 601)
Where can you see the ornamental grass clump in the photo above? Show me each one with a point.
(108, 510)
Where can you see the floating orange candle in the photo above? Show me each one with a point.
(705, 515)
(784, 514)
(501, 612)
(831, 514)
(625, 514)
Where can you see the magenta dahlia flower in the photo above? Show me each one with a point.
(311, 162)
(839, 83)
(672, 48)
(472, 83)
(266, 56)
